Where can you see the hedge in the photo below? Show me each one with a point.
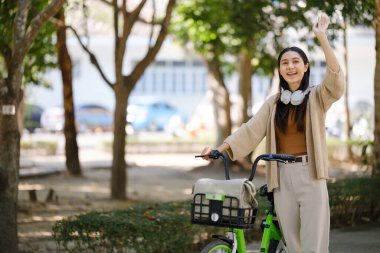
(144, 228)
(166, 227)
(354, 200)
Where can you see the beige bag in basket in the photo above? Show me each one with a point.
(242, 189)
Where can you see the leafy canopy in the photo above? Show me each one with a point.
(41, 55)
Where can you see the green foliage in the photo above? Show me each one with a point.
(145, 228)
(46, 147)
(362, 151)
(216, 29)
(354, 200)
(220, 28)
(201, 23)
(166, 227)
(359, 13)
(41, 55)
(367, 157)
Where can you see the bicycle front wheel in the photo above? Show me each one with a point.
(217, 247)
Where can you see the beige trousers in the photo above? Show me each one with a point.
(302, 207)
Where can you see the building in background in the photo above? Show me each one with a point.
(179, 77)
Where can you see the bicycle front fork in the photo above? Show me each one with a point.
(236, 238)
(271, 234)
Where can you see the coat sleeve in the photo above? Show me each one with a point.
(249, 135)
(331, 89)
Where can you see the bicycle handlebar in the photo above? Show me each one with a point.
(215, 154)
(283, 158)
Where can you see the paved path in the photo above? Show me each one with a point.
(362, 238)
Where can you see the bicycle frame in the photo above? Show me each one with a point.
(271, 231)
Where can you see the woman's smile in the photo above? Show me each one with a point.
(292, 69)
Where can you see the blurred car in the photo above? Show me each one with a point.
(53, 119)
(88, 117)
(153, 116)
(32, 117)
(94, 118)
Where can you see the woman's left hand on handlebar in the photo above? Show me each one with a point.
(205, 152)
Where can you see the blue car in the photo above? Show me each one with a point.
(94, 118)
(153, 116)
(88, 117)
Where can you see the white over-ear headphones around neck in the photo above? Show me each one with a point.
(295, 98)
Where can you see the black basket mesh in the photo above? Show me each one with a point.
(221, 213)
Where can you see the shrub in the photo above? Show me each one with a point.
(144, 228)
(354, 200)
(166, 227)
(45, 147)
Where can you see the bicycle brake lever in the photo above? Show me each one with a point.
(209, 155)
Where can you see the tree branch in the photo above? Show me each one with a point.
(19, 24)
(152, 22)
(93, 58)
(139, 69)
(129, 20)
(17, 48)
(39, 21)
(106, 2)
(115, 19)
(116, 25)
(136, 12)
(152, 26)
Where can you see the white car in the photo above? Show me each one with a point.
(53, 119)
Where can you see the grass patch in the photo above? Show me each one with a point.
(45, 147)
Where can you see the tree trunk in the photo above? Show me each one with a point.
(124, 84)
(119, 166)
(376, 146)
(245, 87)
(10, 97)
(9, 168)
(20, 116)
(221, 101)
(348, 127)
(71, 146)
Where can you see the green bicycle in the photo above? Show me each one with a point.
(218, 210)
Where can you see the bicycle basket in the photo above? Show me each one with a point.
(225, 203)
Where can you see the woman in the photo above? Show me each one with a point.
(293, 123)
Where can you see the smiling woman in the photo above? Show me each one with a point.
(293, 122)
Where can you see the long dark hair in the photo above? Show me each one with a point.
(283, 110)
